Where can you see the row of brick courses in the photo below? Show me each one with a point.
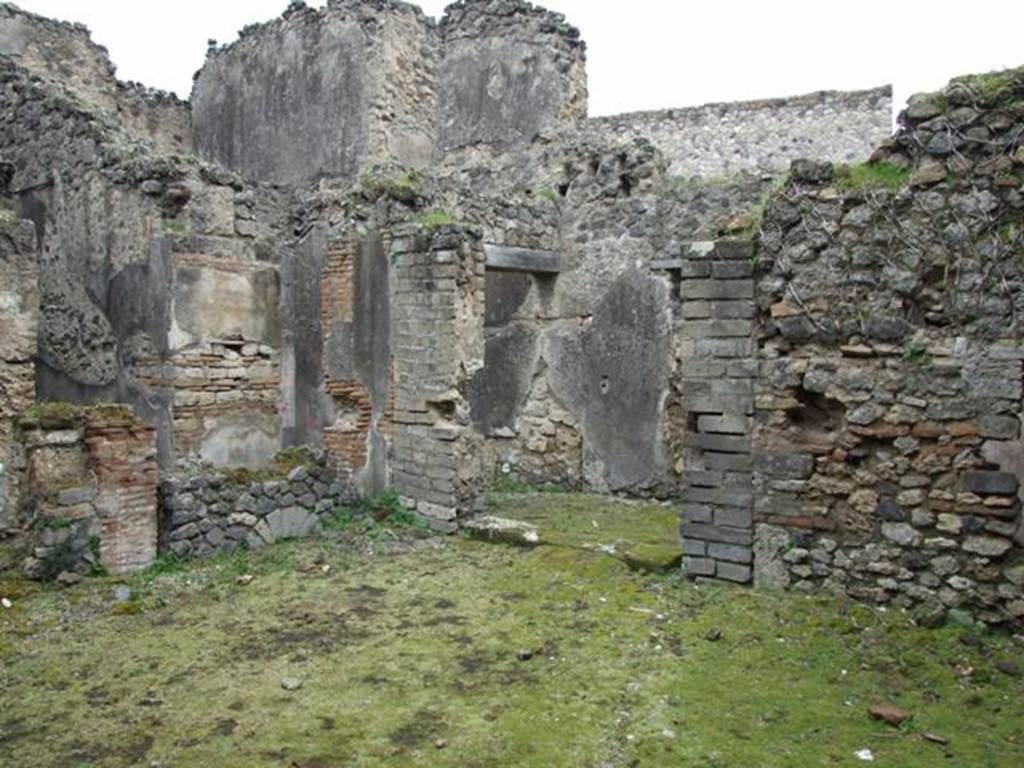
(438, 344)
(715, 290)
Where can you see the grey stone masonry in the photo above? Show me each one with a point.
(715, 289)
(438, 344)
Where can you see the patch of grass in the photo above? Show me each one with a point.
(284, 464)
(177, 226)
(993, 87)
(52, 523)
(547, 194)
(403, 186)
(916, 354)
(133, 606)
(342, 520)
(398, 652)
(96, 570)
(510, 484)
(871, 176)
(166, 564)
(52, 415)
(435, 218)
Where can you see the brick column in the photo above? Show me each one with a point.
(438, 344)
(122, 458)
(719, 366)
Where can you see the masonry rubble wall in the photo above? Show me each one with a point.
(761, 137)
(887, 444)
(159, 282)
(321, 93)
(509, 72)
(839, 410)
(205, 512)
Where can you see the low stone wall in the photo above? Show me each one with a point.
(203, 514)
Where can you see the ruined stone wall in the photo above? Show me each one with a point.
(439, 285)
(19, 318)
(65, 56)
(583, 376)
(151, 266)
(888, 443)
(321, 93)
(92, 480)
(204, 512)
(761, 137)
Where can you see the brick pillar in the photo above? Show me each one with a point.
(122, 458)
(438, 344)
(719, 367)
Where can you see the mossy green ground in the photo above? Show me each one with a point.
(644, 535)
(410, 653)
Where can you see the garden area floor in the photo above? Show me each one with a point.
(378, 645)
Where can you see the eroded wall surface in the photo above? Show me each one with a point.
(19, 319)
(158, 281)
(509, 72)
(319, 93)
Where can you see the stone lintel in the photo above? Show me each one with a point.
(509, 259)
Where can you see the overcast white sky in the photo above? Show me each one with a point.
(643, 54)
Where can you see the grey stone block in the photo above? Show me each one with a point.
(718, 534)
(718, 496)
(697, 513)
(717, 289)
(990, 483)
(522, 259)
(741, 574)
(728, 462)
(718, 443)
(291, 523)
(734, 517)
(694, 548)
(731, 553)
(999, 427)
(785, 466)
(698, 566)
(75, 496)
(724, 425)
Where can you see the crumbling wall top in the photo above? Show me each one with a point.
(507, 18)
(367, 13)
